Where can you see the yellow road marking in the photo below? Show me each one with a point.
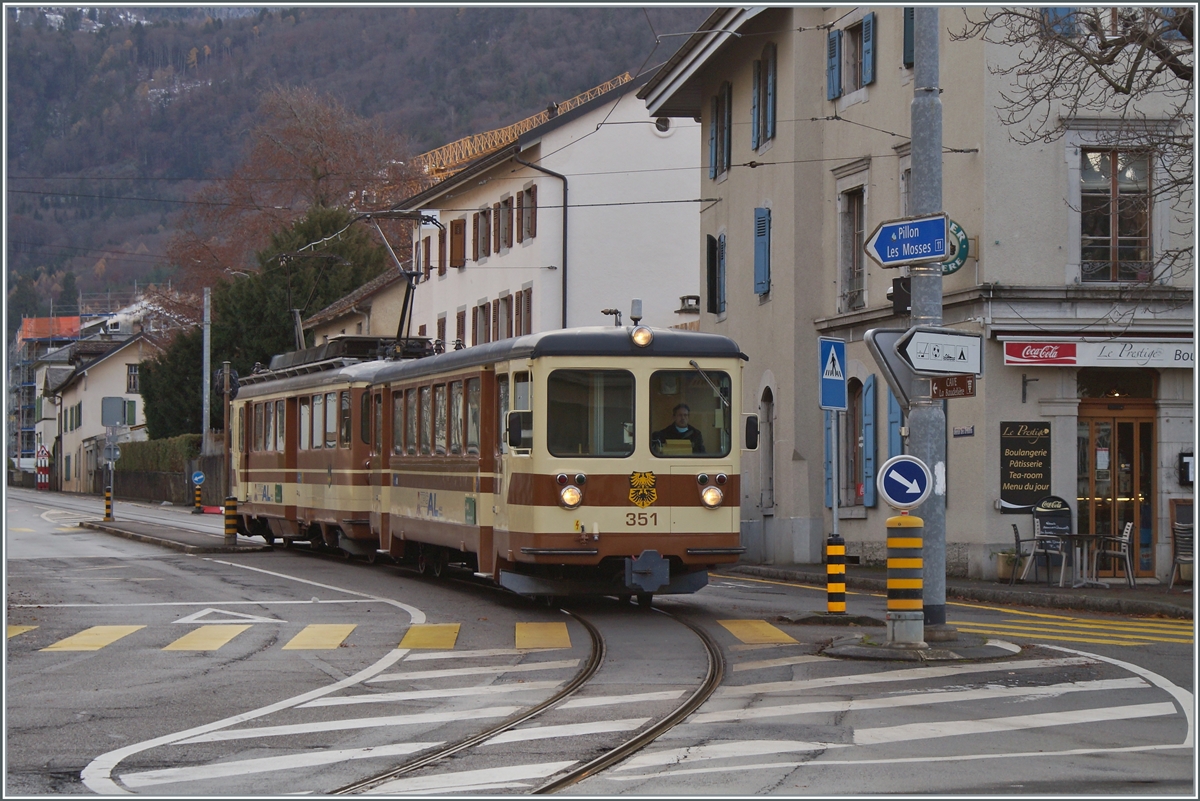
(1101, 625)
(207, 638)
(13, 631)
(543, 635)
(92, 639)
(1059, 638)
(818, 587)
(320, 637)
(755, 631)
(431, 635)
(22, 530)
(1031, 630)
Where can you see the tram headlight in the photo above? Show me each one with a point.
(711, 497)
(570, 496)
(642, 336)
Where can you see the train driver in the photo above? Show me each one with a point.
(678, 430)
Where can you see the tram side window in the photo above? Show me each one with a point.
(426, 421)
(331, 420)
(305, 422)
(410, 433)
(280, 429)
(398, 423)
(268, 426)
(439, 419)
(318, 414)
(473, 415)
(688, 417)
(456, 419)
(364, 418)
(378, 433)
(590, 412)
(502, 405)
(258, 427)
(344, 431)
(240, 444)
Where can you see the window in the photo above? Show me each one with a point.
(504, 224)
(1114, 216)
(481, 330)
(720, 132)
(688, 417)
(131, 378)
(269, 426)
(305, 424)
(331, 419)
(439, 419)
(398, 423)
(318, 412)
(481, 223)
(1059, 21)
(426, 421)
(344, 429)
(856, 447)
(258, 427)
(456, 418)
(442, 252)
(473, 415)
(502, 406)
(850, 58)
(458, 243)
(504, 321)
(762, 251)
(377, 440)
(716, 274)
(410, 429)
(460, 329)
(762, 112)
(527, 214)
(441, 333)
(853, 289)
(590, 413)
(523, 312)
(364, 417)
(427, 256)
(910, 24)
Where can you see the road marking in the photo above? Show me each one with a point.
(93, 639)
(475, 671)
(13, 631)
(206, 638)
(542, 635)
(922, 698)
(20, 530)
(483, 652)
(473, 780)
(226, 615)
(416, 695)
(612, 700)
(441, 636)
(910, 674)
(209, 603)
(957, 728)
(1050, 634)
(787, 660)
(725, 750)
(755, 632)
(222, 770)
(320, 637)
(315, 726)
(565, 730)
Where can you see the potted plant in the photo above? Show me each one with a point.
(1006, 562)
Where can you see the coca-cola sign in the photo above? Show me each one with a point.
(1039, 353)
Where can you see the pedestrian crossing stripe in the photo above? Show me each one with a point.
(543, 635)
(320, 637)
(431, 636)
(93, 639)
(206, 638)
(13, 631)
(756, 632)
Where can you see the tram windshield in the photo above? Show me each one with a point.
(690, 414)
(590, 413)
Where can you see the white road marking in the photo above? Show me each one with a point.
(472, 780)
(416, 695)
(911, 674)
(565, 730)
(221, 770)
(420, 656)
(770, 663)
(476, 671)
(225, 614)
(610, 700)
(918, 699)
(204, 603)
(352, 723)
(725, 750)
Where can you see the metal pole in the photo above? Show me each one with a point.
(926, 419)
(225, 438)
(207, 372)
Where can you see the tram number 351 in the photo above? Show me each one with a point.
(641, 519)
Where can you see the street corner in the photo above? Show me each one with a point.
(966, 647)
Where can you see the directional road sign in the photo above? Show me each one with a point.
(111, 453)
(941, 351)
(832, 370)
(899, 375)
(912, 240)
(197, 478)
(904, 482)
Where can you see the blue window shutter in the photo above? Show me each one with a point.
(712, 275)
(1170, 26)
(727, 145)
(754, 105)
(833, 65)
(762, 251)
(828, 459)
(771, 73)
(868, 51)
(1060, 21)
(909, 57)
(868, 434)
(895, 420)
(712, 141)
(721, 274)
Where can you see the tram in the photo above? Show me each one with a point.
(553, 464)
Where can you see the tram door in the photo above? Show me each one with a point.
(1115, 471)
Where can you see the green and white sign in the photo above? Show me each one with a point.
(962, 248)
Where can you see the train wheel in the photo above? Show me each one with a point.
(423, 562)
(645, 599)
(440, 560)
(372, 557)
(287, 542)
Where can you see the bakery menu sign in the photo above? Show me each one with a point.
(1024, 466)
(1108, 353)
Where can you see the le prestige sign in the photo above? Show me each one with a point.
(1129, 352)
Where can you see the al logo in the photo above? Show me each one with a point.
(641, 489)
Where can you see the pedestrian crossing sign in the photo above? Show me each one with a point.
(832, 365)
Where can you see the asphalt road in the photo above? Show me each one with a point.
(289, 672)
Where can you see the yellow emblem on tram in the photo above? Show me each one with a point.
(641, 489)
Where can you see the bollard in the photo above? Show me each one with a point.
(197, 509)
(108, 518)
(231, 520)
(835, 575)
(905, 582)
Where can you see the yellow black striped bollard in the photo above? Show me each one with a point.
(231, 520)
(108, 518)
(197, 508)
(835, 575)
(905, 581)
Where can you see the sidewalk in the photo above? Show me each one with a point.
(1149, 600)
(177, 539)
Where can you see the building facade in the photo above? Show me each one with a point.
(1087, 387)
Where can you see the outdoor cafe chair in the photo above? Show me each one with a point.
(1182, 545)
(1121, 548)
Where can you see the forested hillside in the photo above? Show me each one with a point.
(117, 117)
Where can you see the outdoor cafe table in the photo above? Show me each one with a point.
(1081, 543)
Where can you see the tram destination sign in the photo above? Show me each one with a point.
(912, 240)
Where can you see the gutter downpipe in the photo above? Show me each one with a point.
(562, 178)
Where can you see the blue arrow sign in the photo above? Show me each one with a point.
(910, 241)
(904, 482)
(831, 366)
(197, 477)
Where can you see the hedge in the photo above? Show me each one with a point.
(159, 455)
